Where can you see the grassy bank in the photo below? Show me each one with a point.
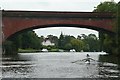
(28, 50)
(34, 50)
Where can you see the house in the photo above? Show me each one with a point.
(47, 42)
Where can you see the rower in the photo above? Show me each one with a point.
(87, 60)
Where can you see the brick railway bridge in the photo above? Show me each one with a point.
(14, 22)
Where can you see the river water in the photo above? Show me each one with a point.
(59, 65)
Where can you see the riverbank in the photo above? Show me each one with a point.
(28, 50)
(34, 50)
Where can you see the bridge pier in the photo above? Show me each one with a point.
(101, 38)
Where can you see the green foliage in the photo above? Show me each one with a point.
(27, 50)
(30, 40)
(67, 42)
(109, 42)
(84, 42)
(91, 42)
(49, 47)
(61, 41)
(9, 47)
(106, 6)
(26, 40)
(78, 45)
(68, 46)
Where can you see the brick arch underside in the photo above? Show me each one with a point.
(12, 26)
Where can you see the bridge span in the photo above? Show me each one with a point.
(18, 21)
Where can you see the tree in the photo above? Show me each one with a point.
(61, 41)
(68, 46)
(83, 36)
(10, 47)
(27, 39)
(55, 40)
(107, 7)
(91, 42)
(78, 45)
(67, 42)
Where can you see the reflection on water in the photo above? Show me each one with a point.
(59, 65)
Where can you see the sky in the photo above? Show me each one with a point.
(51, 5)
(56, 31)
(55, 5)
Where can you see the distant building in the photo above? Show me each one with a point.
(47, 42)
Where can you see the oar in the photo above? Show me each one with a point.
(76, 61)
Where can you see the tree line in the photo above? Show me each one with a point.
(82, 42)
(30, 40)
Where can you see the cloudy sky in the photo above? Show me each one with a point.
(51, 5)
(54, 5)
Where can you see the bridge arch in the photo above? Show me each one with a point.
(61, 25)
(16, 21)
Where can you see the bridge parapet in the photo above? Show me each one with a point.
(53, 14)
